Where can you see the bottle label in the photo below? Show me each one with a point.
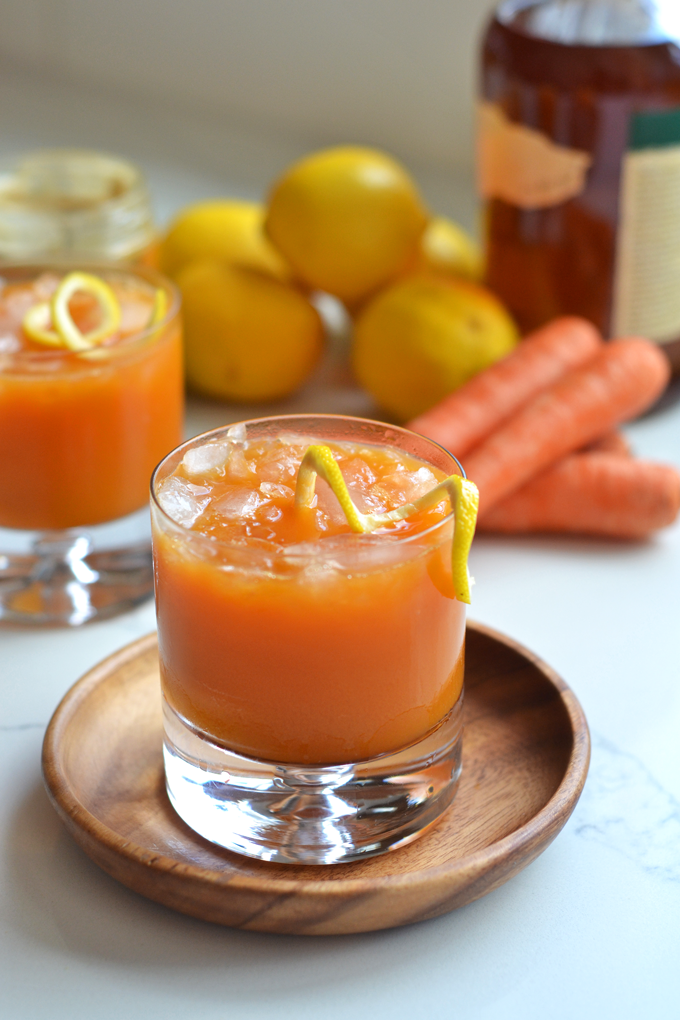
(647, 274)
(523, 166)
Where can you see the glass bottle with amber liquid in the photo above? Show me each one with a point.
(579, 163)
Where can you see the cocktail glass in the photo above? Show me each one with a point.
(311, 694)
(80, 434)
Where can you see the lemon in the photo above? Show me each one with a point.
(423, 337)
(347, 219)
(447, 248)
(248, 336)
(231, 231)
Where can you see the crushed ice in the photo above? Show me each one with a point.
(211, 457)
(237, 433)
(281, 463)
(405, 486)
(215, 457)
(9, 343)
(183, 501)
(238, 469)
(239, 502)
(276, 491)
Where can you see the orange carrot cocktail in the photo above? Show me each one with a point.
(310, 635)
(90, 400)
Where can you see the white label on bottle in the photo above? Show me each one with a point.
(647, 275)
(523, 166)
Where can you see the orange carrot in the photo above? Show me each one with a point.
(591, 493)
(471, 413)
(610, 442)
(620, 382)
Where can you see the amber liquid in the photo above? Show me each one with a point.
(560, 260)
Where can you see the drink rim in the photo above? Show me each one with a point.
(68, 357)
(230, 543)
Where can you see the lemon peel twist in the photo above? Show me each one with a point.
(36, 323)
(463, 495)
(160, 307)
(51, 323)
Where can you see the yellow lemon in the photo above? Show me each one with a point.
(248, 336)
(447, 248)
(425, 336)
(347, 219)
(230, 231)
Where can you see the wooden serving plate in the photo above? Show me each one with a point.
(525, 759)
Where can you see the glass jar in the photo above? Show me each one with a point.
(80, 433)
(579, 163)
(75, 204)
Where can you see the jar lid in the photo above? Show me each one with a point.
(71, 202)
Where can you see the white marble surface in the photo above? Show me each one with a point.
(590, 930)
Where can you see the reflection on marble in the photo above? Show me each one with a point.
(626, 809)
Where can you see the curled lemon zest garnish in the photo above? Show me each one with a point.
(74, 339)
(52, 324)
(160, 307)
(463, 495)
(36, 324)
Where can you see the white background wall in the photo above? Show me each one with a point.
(394, 73)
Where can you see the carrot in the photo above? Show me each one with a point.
(610, 442)
(620, 382)
(471, 413)
(591, 493)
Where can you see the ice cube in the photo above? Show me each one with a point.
(209, 458)
(136, 306)
(357, 474)
(272, 513)
(371, 503)
(328, 505)
(404, 486)
(239, 501)
(237, 467)
(280, 463)
(421, 481)
(9, 343)
(276, 491)
(359, 478)
(183, 501)
(16, 304)
(237, 433)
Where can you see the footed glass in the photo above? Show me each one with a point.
(312, 689)
(80, 434)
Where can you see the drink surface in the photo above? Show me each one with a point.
(80, 433)
(135, 296)
(284, 636)
(236, 490)
(587, 92)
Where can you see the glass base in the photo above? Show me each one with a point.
(66, 578)
(307, 814)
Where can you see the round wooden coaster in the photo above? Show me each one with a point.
(525, 759)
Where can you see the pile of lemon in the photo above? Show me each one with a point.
(349, 222)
